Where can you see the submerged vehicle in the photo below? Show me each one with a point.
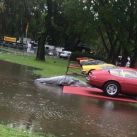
(64, 80)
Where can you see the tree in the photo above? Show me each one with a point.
(116, 22)
(109, 26)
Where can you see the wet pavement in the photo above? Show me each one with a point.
(27, 105)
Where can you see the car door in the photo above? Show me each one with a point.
(130, 82)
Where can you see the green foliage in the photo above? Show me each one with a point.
(117, 26)
(80, 26)
(2, 6)
(18, 14)
(9, 132)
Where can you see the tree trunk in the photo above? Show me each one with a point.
(103, 40)
(41, 47)
(47, 34)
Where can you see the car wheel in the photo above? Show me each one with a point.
(111, 88)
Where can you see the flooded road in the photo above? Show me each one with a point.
(26, 105)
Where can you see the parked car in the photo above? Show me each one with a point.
(91, 65)
(79, 59)
(115, 81)
(65, 54)
(88, 61)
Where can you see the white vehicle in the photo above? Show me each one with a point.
(65, 54)
(50, 53)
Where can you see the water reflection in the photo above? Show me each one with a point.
(27, 105)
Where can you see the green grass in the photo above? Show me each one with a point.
(51, 67)
(10, 132)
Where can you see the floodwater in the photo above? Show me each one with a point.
(27, 105)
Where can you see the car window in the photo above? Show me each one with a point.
(99, 62)
(116, 72)
(66, 52)
(92, 62)
(88, 62)
(106, 66)
(130, 74)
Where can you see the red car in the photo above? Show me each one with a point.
(115, 81)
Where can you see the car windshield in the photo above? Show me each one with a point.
(130, 74)
(92, 62)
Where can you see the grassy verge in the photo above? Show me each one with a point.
(51, 67)
(9, 132)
